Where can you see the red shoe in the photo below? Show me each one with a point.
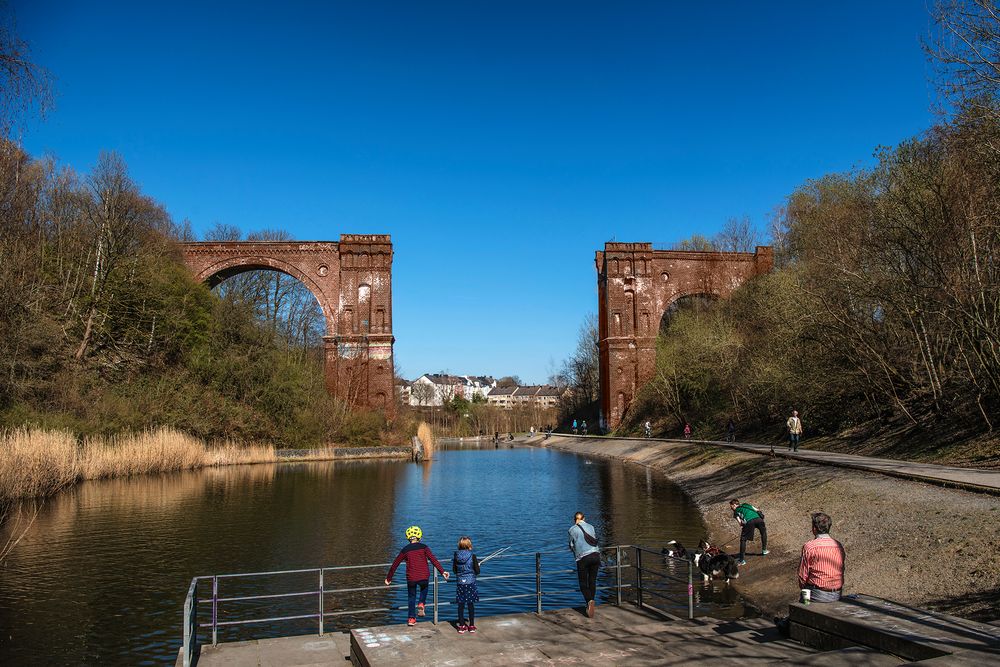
(462, 629)
(472, 629)
(420, 609)
(411, 621)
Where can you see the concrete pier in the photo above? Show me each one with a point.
(860, 630)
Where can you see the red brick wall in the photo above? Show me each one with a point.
(636, 285)
(352, 282)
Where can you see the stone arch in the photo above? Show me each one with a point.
(637, 287)
(228, 267)
(350, 279)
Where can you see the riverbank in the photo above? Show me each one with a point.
(39, 463)
(906, 541)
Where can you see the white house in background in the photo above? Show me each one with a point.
(436, 389)
(403, 390)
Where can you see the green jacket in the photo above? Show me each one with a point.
(745, 513)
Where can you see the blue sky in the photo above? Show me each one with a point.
(500, 144)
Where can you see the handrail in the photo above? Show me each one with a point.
(617, 565)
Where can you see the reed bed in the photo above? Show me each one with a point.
(36, 463)
(426, 437)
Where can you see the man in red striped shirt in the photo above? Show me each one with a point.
(821, 569)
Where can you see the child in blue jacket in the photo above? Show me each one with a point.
(465, 565)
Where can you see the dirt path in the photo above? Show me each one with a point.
(906, 541)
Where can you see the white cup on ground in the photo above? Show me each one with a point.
(806, 595)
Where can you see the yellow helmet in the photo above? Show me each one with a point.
(414, 532)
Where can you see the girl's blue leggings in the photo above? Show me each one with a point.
(411, 595)
(472, 612)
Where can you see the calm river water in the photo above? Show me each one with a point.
(102, 574)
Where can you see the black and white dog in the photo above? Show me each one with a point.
(711, 562)
(721, 565)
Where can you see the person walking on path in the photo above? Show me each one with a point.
(583, 426)
(574, 427)
(416, 556)
(583, 544)
(794, 431)
(465, 565)
(649, 429)
(687, 431)
(821, 568)
(750, 518)
(730, 430)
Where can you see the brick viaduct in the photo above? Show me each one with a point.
(636, 285)
(351, 280)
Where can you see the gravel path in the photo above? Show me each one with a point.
(905, 541)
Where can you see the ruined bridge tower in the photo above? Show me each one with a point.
(636, 285)
(352, 282)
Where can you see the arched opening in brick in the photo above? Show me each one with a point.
(688, 303)
(281, 302)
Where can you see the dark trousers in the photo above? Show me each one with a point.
(586, 570)
(793, 441)
(411, 595)
(472, 612)
(747, 534)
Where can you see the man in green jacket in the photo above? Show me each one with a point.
(750, 518)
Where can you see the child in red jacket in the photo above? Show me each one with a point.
(416, 556)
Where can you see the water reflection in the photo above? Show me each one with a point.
(101, 576)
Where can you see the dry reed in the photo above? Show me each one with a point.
(426, 437)
(36, 463)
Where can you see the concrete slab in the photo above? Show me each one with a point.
(890, 627)
(303, 651)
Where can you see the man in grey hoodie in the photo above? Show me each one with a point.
(583, 544)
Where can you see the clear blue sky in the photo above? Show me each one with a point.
(500, 144)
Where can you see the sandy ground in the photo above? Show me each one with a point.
(906, 541)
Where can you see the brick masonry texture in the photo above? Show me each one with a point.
(636, 285)
(352, 282)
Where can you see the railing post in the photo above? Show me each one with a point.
(638, 577)
(690, 591)
(215, 610)
(435, 596)
(189, 603)
(321, 596)
(618, 573)
(538, 582)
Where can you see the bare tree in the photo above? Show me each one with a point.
(966, 48)
(24, 86)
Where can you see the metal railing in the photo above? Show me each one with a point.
(614, 560)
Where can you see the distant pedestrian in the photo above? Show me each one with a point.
(583, 544)
(574, 427)
(531, 433)
(465, 565)
(821, 567)
(794, 431)
(750, 518)
(583, 426)
(730, 430)
(687, 431)
(418, 574)
(648, 428)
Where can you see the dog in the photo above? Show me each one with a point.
(675, 549)
(720, 565)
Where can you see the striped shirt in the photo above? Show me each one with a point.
(822, 564)
(416, 556)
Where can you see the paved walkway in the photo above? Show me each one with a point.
(968, 478)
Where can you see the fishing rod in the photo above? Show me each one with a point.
(494, 554)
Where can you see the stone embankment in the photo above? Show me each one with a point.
(343, 453)
(905, 540)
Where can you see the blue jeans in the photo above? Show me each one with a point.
(793, 441)
(411, 595)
